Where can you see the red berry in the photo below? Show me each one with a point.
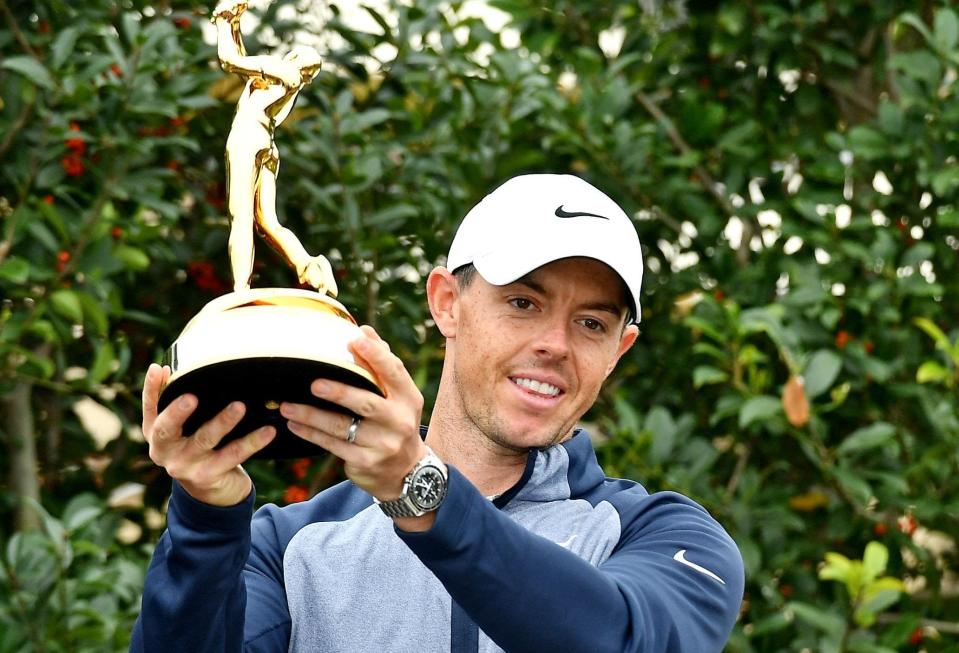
(842, 339)
(48, 199)
(915, 637)
(300, 467)
(880, 529)
(182, 22)
(295, 494)
(116, 70)
(786, 591)
(117, 233)
(73, 164)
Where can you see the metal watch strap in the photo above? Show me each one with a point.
(403, 505)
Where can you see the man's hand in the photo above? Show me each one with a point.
(208, 475)
(388, 442)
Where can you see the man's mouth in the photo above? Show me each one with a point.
(539, 387)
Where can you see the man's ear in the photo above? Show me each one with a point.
(442, 293)
(630, 333)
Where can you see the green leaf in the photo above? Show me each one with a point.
(874, 560)
(933, 331)
(855, 485)
(102, 363)
(132, 258)
(706, 375)
(63, 46)
(131, 26)
(868, 143)
(662, 427)
(78, 514)
(95, 313)
(931, 372)
(916, 22)
(31, 69)
(825, 621)
(945, 180)
(837, 567)
(917, 254)
(868, 437)
(759, 408)
(67, 303)
(920, 65)
(946, 30)
(15, 270)
(821, 371)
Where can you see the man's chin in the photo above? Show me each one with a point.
(523, 442)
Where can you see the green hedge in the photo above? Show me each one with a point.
(793, 173)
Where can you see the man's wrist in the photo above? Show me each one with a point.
(421, 493)
(219, 498)
(415, 524)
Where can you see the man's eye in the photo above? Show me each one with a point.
(593, 325)
(521, 303)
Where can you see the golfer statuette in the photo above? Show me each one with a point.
(263, 346)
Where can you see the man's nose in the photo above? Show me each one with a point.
(553, 338)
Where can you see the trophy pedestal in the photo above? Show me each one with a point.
(264, 347)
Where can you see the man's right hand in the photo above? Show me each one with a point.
(209, 475)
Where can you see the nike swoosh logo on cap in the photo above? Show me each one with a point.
(680, 557)
(563, 213)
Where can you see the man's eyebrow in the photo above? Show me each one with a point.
(530, 282)
(606, 307)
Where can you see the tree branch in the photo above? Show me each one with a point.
(17, 34)
(750, 226)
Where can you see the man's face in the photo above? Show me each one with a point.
(529, 358)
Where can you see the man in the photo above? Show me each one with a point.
(507, 535)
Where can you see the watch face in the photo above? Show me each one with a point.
(427, 487)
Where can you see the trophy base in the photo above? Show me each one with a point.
(263, 347)
(261, 384)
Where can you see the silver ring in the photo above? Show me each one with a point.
(351, 432)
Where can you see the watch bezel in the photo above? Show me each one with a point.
(427, 469)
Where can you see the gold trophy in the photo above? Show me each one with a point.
(263, 346)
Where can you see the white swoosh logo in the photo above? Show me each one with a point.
(680, 557)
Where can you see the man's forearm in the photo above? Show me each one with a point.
(194, 598)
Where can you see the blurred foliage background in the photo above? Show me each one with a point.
(792, 169)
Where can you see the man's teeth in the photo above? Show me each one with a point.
(537, 386)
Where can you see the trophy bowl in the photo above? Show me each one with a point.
(263, 347)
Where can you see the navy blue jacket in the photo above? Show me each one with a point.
(567, 560)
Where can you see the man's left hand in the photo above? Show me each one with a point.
(388, 442)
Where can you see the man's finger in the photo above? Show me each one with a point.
(364, 403)
(238, 451)
(336, 446)
(152, 382)
(169, 424)
(384, 365)
(212, 432)
(371, 332)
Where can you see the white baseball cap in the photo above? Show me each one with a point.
(532, 220)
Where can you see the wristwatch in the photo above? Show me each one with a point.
(423, 489)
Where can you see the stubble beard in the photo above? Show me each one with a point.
(485, 420)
